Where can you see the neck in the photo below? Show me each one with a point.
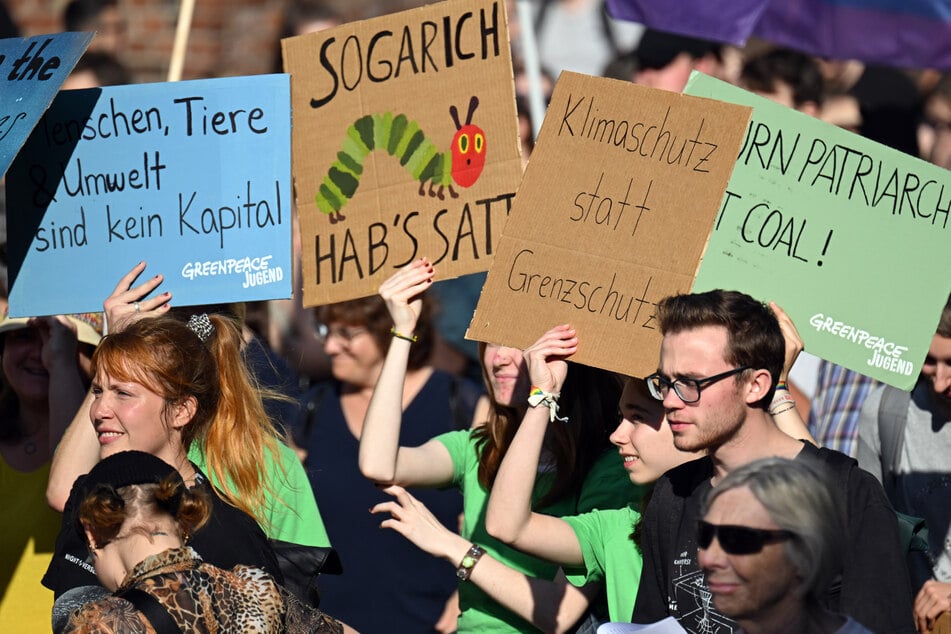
(139, 546)
(757, 437)
(794, 618)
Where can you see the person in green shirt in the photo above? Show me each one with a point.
(499, 588)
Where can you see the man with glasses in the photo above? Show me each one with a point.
(720, 358)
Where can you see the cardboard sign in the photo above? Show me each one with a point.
(31, 73)
(192, 177)
(612, 216)
(405, 144)
(851, 238)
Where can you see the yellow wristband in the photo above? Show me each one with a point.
(399, 335)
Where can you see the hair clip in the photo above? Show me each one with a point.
(201, 326)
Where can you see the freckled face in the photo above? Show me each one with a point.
(506, 370)
(128, 416)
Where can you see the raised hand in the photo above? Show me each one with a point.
(126, 304)
(59, 340)
(546, 358)
(403, 291)
(791, 335)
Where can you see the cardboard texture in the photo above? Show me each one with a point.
(31, 73)
(613, 213)
(405, 144)
(192, 177)
(850, 237)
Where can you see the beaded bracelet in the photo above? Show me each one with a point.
(396, 333)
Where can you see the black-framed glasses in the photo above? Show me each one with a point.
(345, 335)
(738, 540)
(687, 390)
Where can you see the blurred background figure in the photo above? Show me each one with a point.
(665, 60)
(934, 133)
(102, 16)
(46, 372)
(770, 541)
(408, 588)
(96, 69)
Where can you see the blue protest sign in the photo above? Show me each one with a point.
(192, 177)
(31, 73)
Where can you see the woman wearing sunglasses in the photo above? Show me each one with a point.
(770, 542)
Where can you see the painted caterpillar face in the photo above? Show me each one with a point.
(468, 155)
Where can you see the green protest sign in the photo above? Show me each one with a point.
(850, 237)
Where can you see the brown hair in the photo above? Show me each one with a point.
(944, 325)
(371, 313)
(588, 398)
(754, 338)
(104, 511)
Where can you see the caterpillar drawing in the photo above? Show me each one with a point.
(402, 138)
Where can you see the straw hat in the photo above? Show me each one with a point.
(88, 326)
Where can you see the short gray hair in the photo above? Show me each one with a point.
(798, 498)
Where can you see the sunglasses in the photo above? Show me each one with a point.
(738, 540)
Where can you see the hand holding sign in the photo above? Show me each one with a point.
(402, 293)
(127, 304)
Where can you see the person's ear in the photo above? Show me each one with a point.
(90, 540)
(183, 412)
(758, 386)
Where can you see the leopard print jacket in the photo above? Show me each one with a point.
(204, 599)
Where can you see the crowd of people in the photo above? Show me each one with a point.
(358, 466)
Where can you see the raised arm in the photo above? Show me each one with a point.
(552, 606)
(509, 517)
(78, 450)
(381, 457)
(788, 419)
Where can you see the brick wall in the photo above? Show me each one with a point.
(228, 37)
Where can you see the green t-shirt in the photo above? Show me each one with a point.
(610, 556)
(607, 486)
(293, 516)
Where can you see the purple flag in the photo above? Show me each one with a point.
(900, 33)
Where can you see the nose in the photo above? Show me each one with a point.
(942, 377)
(99, 408)
(622, 433)
(671, 400)
(503, 356)
(712, 556)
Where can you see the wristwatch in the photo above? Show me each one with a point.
(471, 558)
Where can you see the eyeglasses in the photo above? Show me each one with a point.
(345, 335)
(687, 390)
(738, 540)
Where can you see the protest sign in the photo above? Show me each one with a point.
(612, 215)
(31, 73)
(192, 177)
(405, 144)
(850, 237)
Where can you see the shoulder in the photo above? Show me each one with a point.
(683, 480)
(108, 615)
